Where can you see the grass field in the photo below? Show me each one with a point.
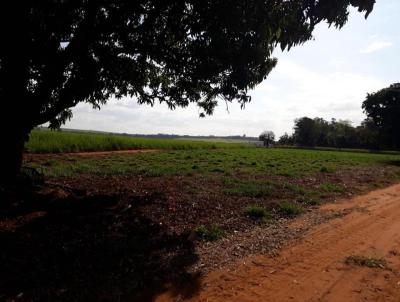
(232, 170)
(46, 141)
(222, 162)
(281, 180)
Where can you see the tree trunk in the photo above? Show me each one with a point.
(12, 153)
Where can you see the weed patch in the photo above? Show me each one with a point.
(210, 233)
(250, 189)
(325, 169)
(366, 261)
(329, 187)
(257, 212)
(290, 209)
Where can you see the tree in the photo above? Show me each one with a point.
(61, 53)
(305, 132)
(368, 134)
(267, 137)
(341, 134)
(322, 129)
(286, 139)
(383, 108)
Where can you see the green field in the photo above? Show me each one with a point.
(46, 141)
(228, 162)
(282, 182)
(258, 174)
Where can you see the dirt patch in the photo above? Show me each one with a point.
(181, 203)
(314, 268)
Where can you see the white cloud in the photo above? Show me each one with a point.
(376, 46)
(303, 91)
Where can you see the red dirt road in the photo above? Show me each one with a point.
(313, 268)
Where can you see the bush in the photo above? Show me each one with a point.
(290, 209)
(257, 212)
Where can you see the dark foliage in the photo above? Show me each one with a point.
(267, 137)
(305, 131)
(383, 110)
(286, 139)
(336, 134)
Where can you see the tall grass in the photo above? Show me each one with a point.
(46, 141)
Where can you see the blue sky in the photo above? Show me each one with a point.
(327, 77)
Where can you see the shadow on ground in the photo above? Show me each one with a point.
(65, 247)
(393, 163)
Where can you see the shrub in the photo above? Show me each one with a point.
(257, 212)
(290, 209)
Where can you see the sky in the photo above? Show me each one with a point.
(327, 77)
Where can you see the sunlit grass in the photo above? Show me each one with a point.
(226, 164)
(46, 141)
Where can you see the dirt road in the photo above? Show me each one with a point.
(313, 268)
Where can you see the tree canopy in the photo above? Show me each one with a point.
(383, 109)
(335, 133)
(61, 53)
(267, 137)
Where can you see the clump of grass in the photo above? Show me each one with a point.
(250, 189)
(218, 170)
(330, 187)
(210, 233)
(325, 169)
(290, 209)
(257, 212)
(49, 163)
(311, 201)
(366, 261)
(295, 188)
(311, 198)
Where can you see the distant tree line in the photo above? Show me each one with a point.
(380, 130)
(335, 133)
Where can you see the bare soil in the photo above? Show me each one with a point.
(313, 268)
